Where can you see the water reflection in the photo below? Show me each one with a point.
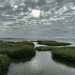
(63, 62)
(41, 64)
(21, 60)
(36, 65)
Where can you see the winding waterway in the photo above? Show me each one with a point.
(41, 64)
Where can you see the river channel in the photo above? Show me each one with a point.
(41, 64)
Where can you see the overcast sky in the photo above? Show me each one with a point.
(37, 18)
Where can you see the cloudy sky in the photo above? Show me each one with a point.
(37, 18)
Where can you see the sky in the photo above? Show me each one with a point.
(37, 18)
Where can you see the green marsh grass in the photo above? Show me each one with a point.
(52, 43)
(17, 50)
(67, 53)
(4, 64)
(44, 48)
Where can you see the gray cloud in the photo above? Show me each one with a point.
(5, 7)
(30, 3)
(41, 3)
(15, 19)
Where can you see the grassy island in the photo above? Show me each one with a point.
(67, 53)
(52, 43)
(17, 49)
(44, 48)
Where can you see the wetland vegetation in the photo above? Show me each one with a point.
(59, 49)
(24, 49)
(66, 53)
(17, 50)
(44, 48)
(14, 50)
(4, 64)
(52, 43)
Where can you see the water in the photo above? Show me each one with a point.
(42, 64)
(55, 18)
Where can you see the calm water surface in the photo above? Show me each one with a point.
(41, 64)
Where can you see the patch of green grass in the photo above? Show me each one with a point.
(64, 53)
(17, 50)
(14, 50)
(44, 48)
(4, 64)
(53, 43)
